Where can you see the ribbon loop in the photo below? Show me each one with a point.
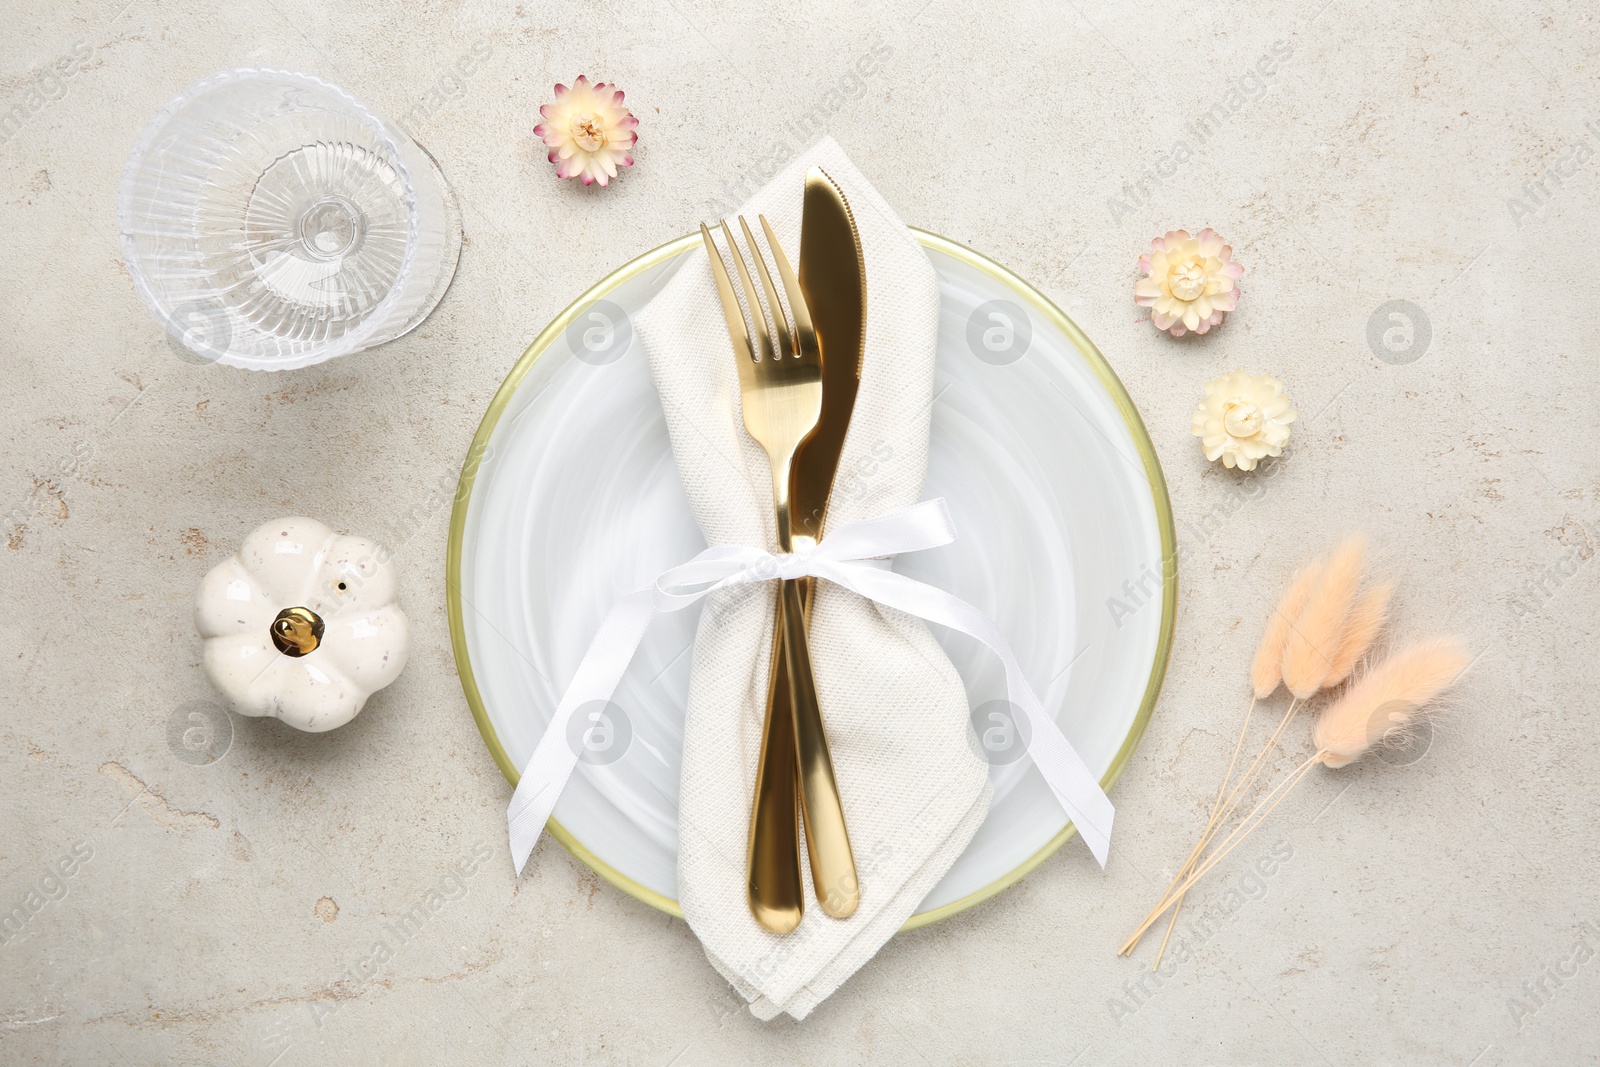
(852, 556)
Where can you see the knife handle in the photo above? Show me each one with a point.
(833, 867)
(774, 887)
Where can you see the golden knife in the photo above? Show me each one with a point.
(794, 749)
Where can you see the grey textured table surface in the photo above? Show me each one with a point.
(1433, 910)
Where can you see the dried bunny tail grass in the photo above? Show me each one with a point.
(1387, 699)
(1313, 641)
(1366, 621)
(1266, 671)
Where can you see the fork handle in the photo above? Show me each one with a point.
(833, 866)
(774, 887)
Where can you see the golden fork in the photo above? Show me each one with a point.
(780, 386)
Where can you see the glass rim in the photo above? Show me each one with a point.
(354, 341)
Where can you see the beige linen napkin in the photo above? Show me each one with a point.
(914, 790)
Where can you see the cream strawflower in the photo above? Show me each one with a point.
(1243, 418)
(588, 131)
(1190, 283)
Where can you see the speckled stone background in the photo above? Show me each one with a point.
(1437, 907)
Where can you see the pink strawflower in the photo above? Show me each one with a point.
(1189, 283)
(589, 131)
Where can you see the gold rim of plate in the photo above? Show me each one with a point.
(657, 256)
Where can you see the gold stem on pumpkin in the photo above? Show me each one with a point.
(296, 631)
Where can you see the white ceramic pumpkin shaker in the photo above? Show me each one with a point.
(302, 624)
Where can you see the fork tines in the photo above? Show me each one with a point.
(771, 316)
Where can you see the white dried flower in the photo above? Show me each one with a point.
(1243, 418)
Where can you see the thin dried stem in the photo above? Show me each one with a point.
(1248, 778)
(1177, 906)
(1217, 819)
(1211, 820)
(1233, 840)
(1253, 820)
(1175, 892)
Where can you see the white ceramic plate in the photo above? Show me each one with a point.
(570, 499)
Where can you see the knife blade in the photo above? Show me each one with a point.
(833, 276)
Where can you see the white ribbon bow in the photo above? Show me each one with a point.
(847, 556)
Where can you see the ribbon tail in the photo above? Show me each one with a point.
(1069, 778)
(553, 761)
(845, 557)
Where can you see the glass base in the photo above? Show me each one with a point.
(324, 240)
(451, 256)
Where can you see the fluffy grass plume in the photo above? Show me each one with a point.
(1313, 640)
(1366, 621)
(1267, 669)
(1387, 699)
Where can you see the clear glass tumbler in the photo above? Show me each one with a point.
(270, 220)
